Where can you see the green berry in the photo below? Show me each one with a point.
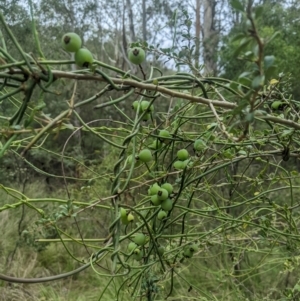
(193, 247)
(136, 55)
(132, 246)
(123, 213)
(187, 253)
(167, 205)
(153, 189)
(130, 217)
(155, 201)
(161, 250)
(182, 154)
(162, 214)
(83, 58)
(168, 187)
(145, 106)
(145, 155)
(71, 42)
(155, 145)
(140, 239)
(277, 105)
(179, 165)
(146, 117)
(162, 194)
(199, 145)
(135, 105)
(164, 136)
(138, 254)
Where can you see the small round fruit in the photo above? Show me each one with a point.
(155, 201)
(83, 58)
(178, 165)
(168, 187)
(138, 254)
(186, 163)
(135, 105)
(145, 106)
(161, 215)
(136, 55)
(123, 213)
(187, 253)
(131, 246)
(277, 105)
(161, 250)
(153, 189)
(164, 136)
(71, 42)
(167, 205)
(155, 144)
(199, 145)
(146, 117)
(130, 217)
(182, 154)
(193, 247)
(162, 194)
(145, 155)
(140, 239)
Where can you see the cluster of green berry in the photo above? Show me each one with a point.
(71, 42)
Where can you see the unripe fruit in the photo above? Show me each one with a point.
(182, 154)
(187, 253)
(193, 247)
(153, 189)
(155, 201)
(145, 155)
(138, 254)
(123, 213)
(162, 194)
(164, 135)
(135, 105)
(155, 144)
(130, 217)
(132, 246)
(167, 205)
(178, 165)
(199, 145)
(127, 219)
(162, 214)
(186, 163)
(136, 55)
(140, 239)
(168, 187)
(146, 117)
(71, 42)
(277, 105)
(145, 106)
(83, 58)
(161, 250)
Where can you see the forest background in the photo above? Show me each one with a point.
(223, 80)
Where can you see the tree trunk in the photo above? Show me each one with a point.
(144, 20)
(198, 32)
(131, 25)
(210, 37)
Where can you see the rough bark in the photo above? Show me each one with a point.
(210, 37)
(198, 32)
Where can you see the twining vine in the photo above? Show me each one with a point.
(178, 163)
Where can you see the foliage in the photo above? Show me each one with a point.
(189, 172)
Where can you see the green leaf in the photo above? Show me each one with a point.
(237, 5)
(258, 81)
(258, 11)
(269, 61)
(243, 44)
